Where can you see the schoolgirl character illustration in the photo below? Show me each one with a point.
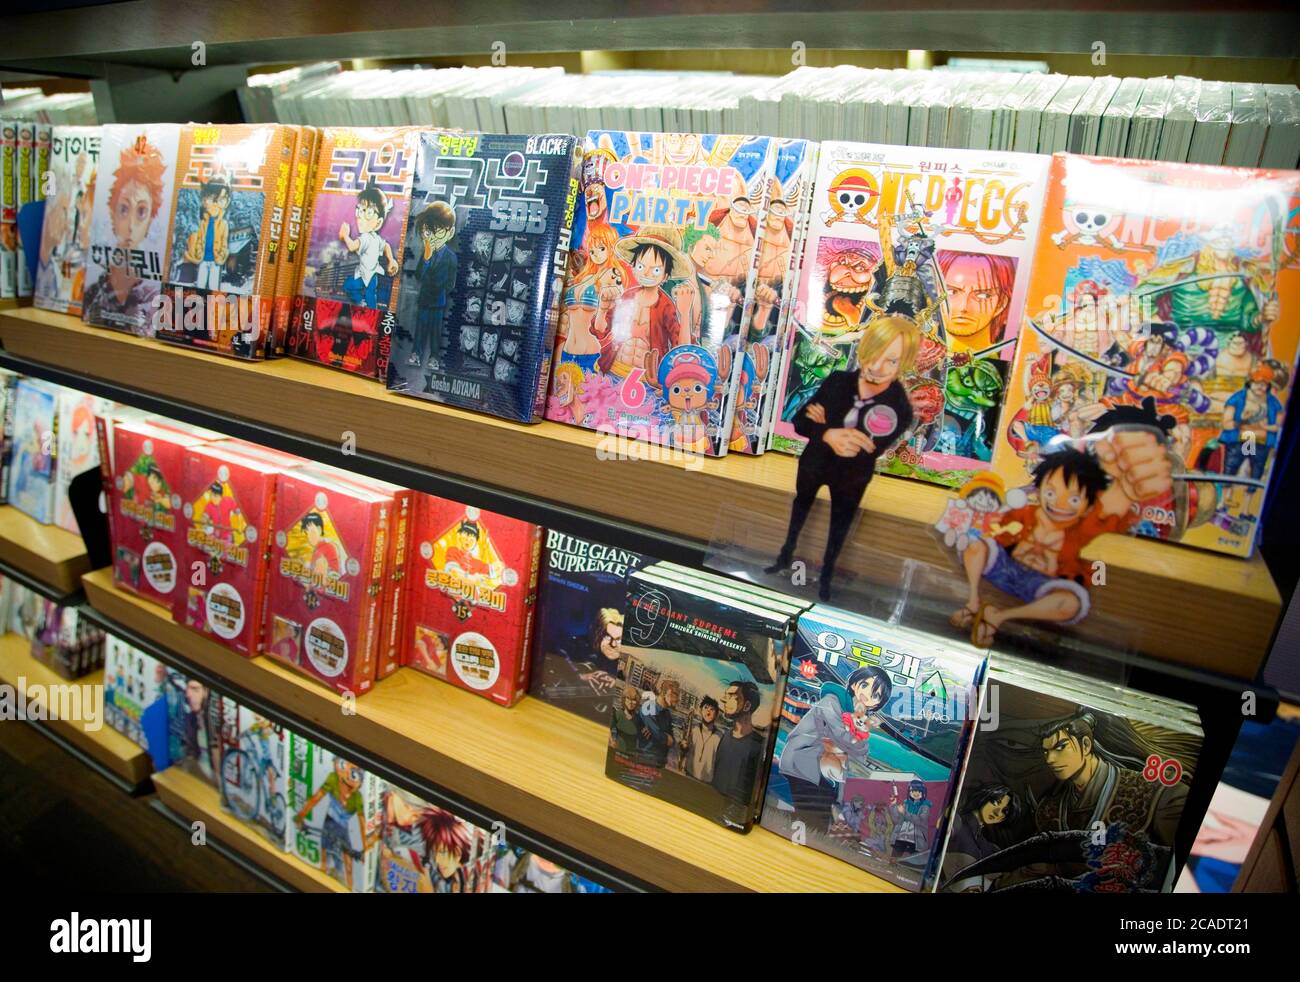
(911, 821)
(855, 415)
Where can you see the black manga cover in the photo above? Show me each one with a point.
(478, 334)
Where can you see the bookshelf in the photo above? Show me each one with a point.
(533, 765)
(55, 558)
(1212, 613)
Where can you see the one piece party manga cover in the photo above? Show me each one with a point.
(126, 262)
(874, 727)
(943, 238)
(65, 232)
(660, 284)
(1160, 299)
(483, 269)
(346, 299)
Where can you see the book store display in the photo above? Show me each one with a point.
(1045, 312)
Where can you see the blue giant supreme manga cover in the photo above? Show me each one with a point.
(482, 270)
(874, 724)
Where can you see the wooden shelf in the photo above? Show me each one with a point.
(160, 32)
(105, 745)
(198, 801)
(1180, 605)
(533, 764)
(52, 555)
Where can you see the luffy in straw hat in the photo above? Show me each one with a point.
(645, 320)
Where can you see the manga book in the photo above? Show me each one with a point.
(135, 698)
(254, 776)
(471, 592)
(193, 726)
(580, 623)
(227, 512)
(334, 809)
(24, 194)
(326, 571)
(78, 450)
(129, 226)
(942, 237)
(346, 298)
(660, 286)
(874, 726)
(514, 869)
(34, 457)
(482, 270)
(227, 219)
(423, 848)
(702, 676)
(1159, 299)
(8, 209)
(148, 462)
(65, 232)
(785, 226)
(1069, 791)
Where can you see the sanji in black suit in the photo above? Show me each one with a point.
(846, 477)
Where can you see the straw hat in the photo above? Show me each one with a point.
(666, 238)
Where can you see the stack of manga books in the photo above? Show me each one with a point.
(703, 668)
(24, 159)
(59, 637)
(1073, 786)
(875, 725)
(135, 698)
(942, 238)
(482, 271)
(677, 287)
(58, 108)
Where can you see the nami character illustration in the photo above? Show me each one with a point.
(370, 247)
(854, 416)
(208, 246)
(436, 268)
(343, 836)
(582, 336)
(121, 296)
(1084, 489)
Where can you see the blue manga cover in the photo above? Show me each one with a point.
(478, 304)
(873, 729)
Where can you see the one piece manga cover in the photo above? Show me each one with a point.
(130, 225)
(346, 299)
(423, 848)
(148, 463)
(1161, 296)
(231, 187)
(1068, 793)
(334, 811)
(471, 590)
(660, 283)
(785, 225)
(942, 237)
(227, 514)
(254, 776)
(34, 460)
(701, 686)
(482, 270)
(65, 232)
(874, 726)
(326, 578)
(580, 623)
